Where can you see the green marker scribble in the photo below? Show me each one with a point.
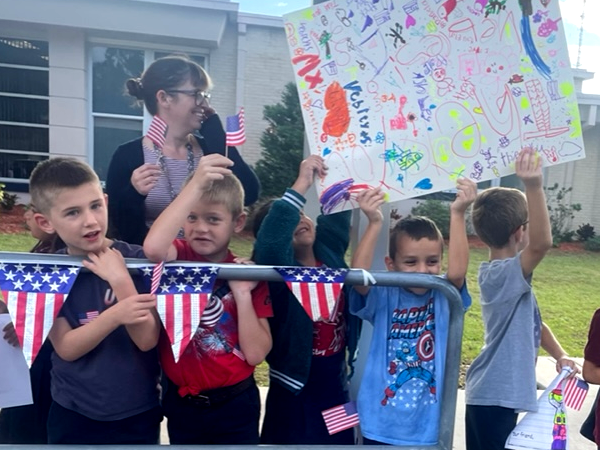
(468, 144)
(524, 102)
(575, 120)
(566, 89)
(458, 173)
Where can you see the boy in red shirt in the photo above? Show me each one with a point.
(211, 396)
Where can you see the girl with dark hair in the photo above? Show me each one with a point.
(146, 174)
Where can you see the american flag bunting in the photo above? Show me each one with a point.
(235, 129)
(316, 288)
(34, 294)
(340, 418)
(157, 132)
(574, 393)
(181, 298)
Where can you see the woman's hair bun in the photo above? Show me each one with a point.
(135, 88)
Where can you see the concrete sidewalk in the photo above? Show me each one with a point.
(546, 372)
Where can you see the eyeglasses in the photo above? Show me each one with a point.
(199, 96)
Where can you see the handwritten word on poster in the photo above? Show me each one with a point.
(409, 95)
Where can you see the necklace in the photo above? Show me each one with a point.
(163, 165)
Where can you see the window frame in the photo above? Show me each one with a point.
(8, 34)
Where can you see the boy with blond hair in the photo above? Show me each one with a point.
(400, 392)
(211, 396)
(501, 381)
(105, 370)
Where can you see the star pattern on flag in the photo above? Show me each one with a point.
(34, 294)
(316, 288)
(181, 298)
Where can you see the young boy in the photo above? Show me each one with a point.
(212, 397)
(501, 381)
(591, 368)
(104, 370)
(399, 396)
(307, 366)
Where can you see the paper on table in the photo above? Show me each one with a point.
(15, 384)
(546, 428)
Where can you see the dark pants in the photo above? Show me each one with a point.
(68, 427)
(488, 427)
(27, 424)
(232, 421)
(296, 419)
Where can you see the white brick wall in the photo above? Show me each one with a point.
(584, 176)
(268, 70)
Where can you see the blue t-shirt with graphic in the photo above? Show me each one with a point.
(401, 388)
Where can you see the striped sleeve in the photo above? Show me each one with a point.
(294, 199)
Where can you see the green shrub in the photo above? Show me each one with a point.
(593, 244)
(436, 210)
(560, 211)
(7, 201)
(585, 232)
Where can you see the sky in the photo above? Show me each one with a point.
(571, 15)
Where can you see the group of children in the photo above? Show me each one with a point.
(105, 374)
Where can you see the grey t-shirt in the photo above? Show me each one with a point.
(503, 374)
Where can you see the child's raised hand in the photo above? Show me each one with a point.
(529, 168)
(311, 166)
(210, 168)
(466, 192)
(370, 201)
(108, 264)
(134, 310)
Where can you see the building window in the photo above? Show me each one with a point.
(24, 80)
(117, 117)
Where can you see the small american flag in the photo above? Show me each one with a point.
(316, 288)
(574, 393)
(34, 294)
(236, 132)
(341, 417)
(157, 132)
(156, 275)
(181, 299)
(87, 317)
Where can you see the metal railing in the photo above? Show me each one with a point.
(354, 277)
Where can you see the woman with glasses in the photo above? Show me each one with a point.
(146, 174)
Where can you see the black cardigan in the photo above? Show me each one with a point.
(126, 206)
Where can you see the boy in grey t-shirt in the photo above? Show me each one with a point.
(501, 381)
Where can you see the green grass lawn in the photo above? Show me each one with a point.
(567, 286)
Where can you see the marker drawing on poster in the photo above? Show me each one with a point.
(410, 95)
(545, 429)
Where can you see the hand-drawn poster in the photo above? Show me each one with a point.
(409, 95)
(545, 429)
